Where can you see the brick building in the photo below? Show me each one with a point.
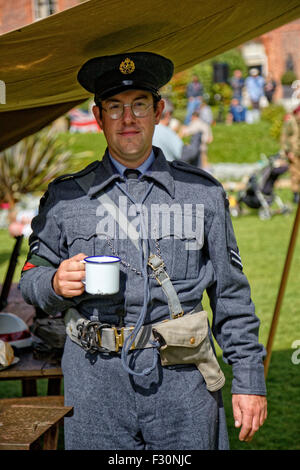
(17, 13)
(282, 48)
(275, 52)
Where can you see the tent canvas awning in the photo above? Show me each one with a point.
(39, 62)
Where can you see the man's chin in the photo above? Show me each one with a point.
(131, 156)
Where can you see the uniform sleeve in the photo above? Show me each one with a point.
(235, 325)
(46, 252)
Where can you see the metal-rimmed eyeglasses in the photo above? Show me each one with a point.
(139, 109)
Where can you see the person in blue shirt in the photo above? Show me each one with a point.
(254, 84)
(194, 93)
(237, 111)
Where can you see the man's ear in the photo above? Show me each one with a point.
(96, 112)
(159, 109)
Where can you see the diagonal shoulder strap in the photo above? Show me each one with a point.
(157, 265)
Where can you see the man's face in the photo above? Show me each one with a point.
(129, 138)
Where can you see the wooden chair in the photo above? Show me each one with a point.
(31, 423)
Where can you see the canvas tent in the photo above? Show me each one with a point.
(39, 62)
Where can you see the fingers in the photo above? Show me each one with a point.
(74, 264)
(237, 414)
(250, 413)
(67, 281)
(250, 425)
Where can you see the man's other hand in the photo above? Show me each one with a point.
(250, 413)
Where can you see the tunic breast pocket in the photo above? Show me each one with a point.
(81, 235)
(180, 243)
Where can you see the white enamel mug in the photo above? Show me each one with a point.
(102, 275)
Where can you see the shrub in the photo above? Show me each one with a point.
(274, 114)
(288, 77)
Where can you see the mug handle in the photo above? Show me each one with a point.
(84, 262)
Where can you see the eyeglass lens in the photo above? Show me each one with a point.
(138, 108)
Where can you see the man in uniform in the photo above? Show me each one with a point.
(290, 144)
(123, 396)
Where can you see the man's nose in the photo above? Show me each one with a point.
(128, 115)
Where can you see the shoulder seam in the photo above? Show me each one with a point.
(197, 171)
(83, 172)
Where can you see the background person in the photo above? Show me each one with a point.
(196, 126)
(237, 112)
(254, 84)
(169, 141)
(290, 144)
(237, 84)
(206, 114)
(194, 93)
(270, 87)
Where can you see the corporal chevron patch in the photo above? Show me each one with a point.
(235, 259)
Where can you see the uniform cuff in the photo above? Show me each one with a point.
(51, 302)
(248, 379)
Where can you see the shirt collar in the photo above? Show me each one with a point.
(142, 168)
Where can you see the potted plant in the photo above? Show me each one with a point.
(286, 80)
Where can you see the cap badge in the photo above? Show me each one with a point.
(127, 66)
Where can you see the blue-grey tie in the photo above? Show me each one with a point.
(132, 174)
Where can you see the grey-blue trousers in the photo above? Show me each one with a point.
(170, 409)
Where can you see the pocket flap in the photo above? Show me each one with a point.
(187, 331)
(80, 226)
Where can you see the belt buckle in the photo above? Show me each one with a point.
(119, 337)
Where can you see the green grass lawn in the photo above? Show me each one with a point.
(239, 143)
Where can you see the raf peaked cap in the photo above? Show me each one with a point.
(109, 75)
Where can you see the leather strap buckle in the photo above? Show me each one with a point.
(159, 264)
(119, 337)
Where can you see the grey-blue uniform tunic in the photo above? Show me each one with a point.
(170, 408)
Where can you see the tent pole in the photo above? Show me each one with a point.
(281, 290)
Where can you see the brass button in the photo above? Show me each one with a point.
(192, 340)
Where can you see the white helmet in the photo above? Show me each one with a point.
(14, 330)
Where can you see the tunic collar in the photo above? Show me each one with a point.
(159, 171)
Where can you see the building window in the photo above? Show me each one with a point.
(43, 8)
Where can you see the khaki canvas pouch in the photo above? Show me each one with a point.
(185, 340)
